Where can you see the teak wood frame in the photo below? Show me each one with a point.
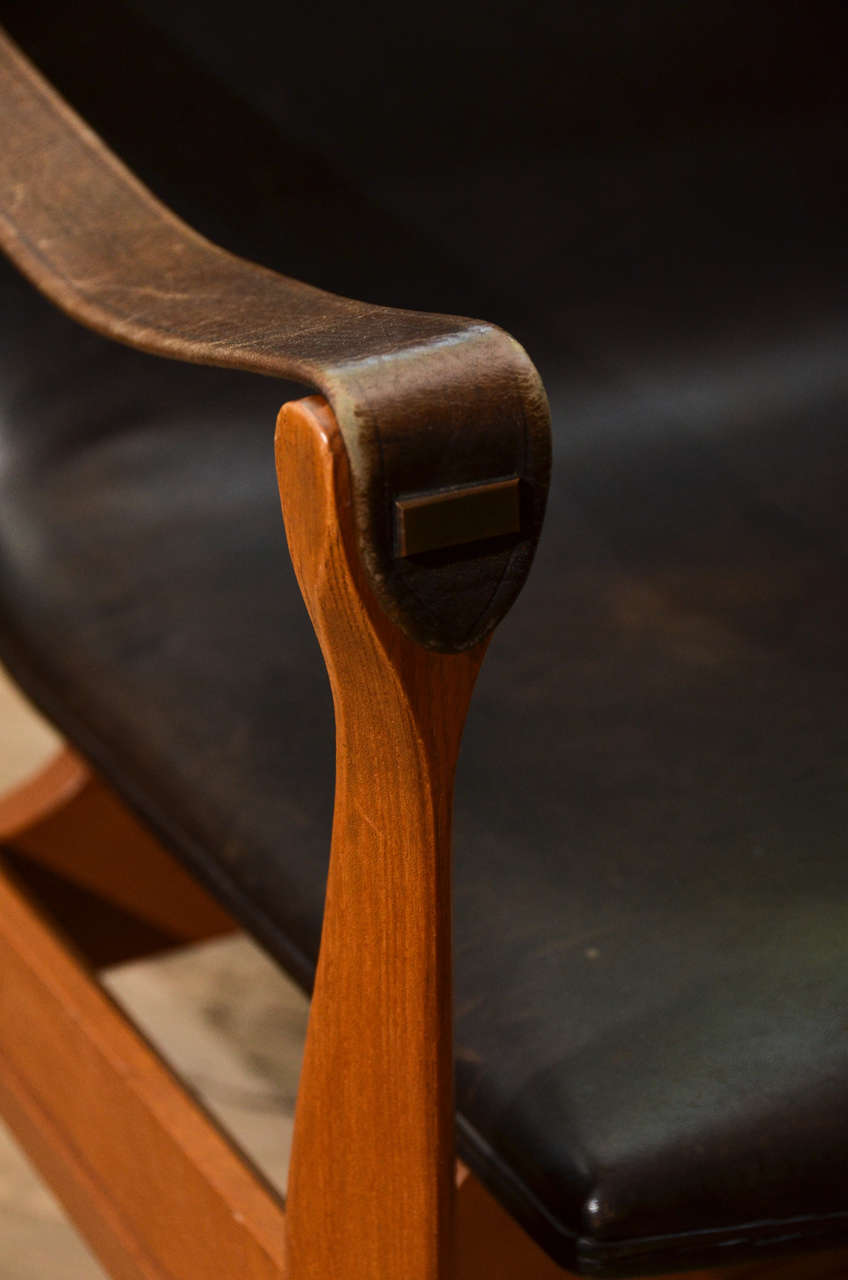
(377, 1082)
(374, 1190)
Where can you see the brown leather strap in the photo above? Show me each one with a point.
(424, 402)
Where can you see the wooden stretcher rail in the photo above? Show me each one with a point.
(67, 820)
(155, 1187)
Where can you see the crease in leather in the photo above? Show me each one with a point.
(423, 401)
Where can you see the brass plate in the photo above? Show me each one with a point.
(451, 517)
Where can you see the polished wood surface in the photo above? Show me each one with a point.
(371, 1180)
(157, 1190)
(68, 821)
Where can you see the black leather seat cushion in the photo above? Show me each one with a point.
(652, 812)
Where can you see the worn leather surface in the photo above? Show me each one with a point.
(651, 869)
(423, 402)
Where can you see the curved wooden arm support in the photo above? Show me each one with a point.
(426, 403)
(371, 1179)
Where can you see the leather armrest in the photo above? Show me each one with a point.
(426, 404)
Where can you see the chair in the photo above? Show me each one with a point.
(648, 1066)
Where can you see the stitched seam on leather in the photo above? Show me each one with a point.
(696, 1243)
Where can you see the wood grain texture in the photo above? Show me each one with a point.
(371, 1180)
(406, 386)
(68, 820)
(157, 1190)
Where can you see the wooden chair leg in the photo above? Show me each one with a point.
(72, 828)
(371, 1178)
(157, 1190)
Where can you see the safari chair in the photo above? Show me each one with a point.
(628, 1018)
